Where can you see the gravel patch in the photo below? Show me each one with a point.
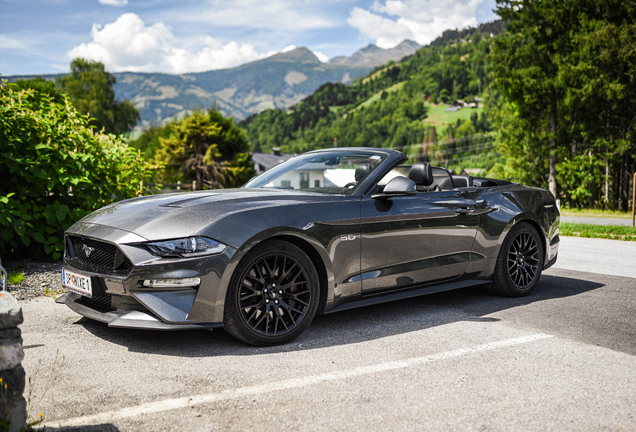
(38, 276)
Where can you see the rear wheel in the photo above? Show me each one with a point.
(273, 295)
(519, 263)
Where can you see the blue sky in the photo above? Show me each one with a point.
(42, 36)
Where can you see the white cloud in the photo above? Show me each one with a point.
(129, 45)
(323, 58)
(289, 48)
(420, 20)
(114, 2)
(10, 43)
(273, 15)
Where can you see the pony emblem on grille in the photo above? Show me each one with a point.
(87, 250)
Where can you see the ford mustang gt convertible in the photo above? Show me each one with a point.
(326, 231)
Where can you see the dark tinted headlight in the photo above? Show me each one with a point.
(186, 247)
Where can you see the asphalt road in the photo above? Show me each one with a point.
(561, 359)
(597, 220)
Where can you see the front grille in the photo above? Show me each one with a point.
(97, 256)
(101, 301)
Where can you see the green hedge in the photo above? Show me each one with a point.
(54, 170)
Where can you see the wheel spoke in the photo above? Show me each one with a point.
(260, 320)
(293, 297)
(253, 314)
(245, 297)
(285, 273)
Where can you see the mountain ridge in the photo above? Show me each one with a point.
(278, 81)
(373, 56)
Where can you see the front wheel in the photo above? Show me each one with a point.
(273, 295)
(519, 263)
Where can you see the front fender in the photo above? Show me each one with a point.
(209, 304)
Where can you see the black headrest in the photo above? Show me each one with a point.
(362, 171)
(421, 173)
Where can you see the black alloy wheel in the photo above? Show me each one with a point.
(273, 296)
(520, 262)
(523, 260)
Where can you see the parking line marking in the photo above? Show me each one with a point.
(183, 402)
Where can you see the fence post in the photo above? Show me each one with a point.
(4, 278)
(634, 201)
(194, 185)
(12, 403)
(179, 185)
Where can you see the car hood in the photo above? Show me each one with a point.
(178, 215)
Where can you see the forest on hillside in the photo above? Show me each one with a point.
(555, 91)
(389, 108)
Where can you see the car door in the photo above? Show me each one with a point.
(414, 240)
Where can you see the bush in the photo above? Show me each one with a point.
(55, 170)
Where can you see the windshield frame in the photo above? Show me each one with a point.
(391, 158)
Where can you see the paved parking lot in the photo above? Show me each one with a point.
(561, 359)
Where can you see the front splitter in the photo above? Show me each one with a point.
(128, 318)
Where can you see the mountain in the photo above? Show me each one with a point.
(279, 81)
(274, 82)
(372, 55)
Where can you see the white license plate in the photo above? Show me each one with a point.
(77, 282)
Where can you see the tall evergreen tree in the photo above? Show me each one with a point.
(526, 66)
(567, 73)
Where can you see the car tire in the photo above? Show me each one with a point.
(519, 264)
(273, 295)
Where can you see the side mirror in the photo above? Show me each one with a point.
(398, 186)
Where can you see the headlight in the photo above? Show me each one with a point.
(187, 247)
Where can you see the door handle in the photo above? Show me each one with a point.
(464, 210)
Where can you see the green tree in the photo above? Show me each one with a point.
(56, 170)
(566, 71)
(90, 88)
(208, 148)
(600, 94)
(526, 66)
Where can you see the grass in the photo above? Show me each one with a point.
(438, 116)
(15, 278)
(377, 96)
(616, 232)
(596, 213)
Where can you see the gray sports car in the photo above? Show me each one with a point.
(323, 232)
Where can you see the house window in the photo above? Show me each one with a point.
(285, 183)
(316, 183)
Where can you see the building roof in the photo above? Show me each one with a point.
(270, 160)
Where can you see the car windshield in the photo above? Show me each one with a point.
(335, 172)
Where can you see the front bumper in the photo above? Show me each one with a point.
(201, 306)
(132, 319)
